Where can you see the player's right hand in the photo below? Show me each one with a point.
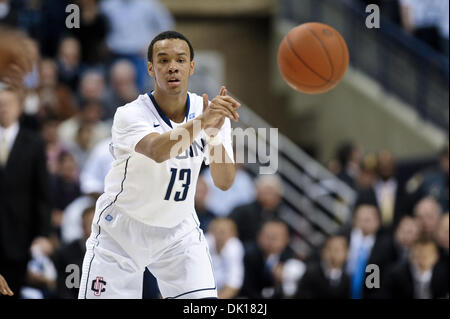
(4, 288)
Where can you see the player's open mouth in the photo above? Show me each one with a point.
(174, 82)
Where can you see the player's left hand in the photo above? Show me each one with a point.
(4, 288)
(225, 102)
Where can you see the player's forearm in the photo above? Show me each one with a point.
(223, 170)
(175, 142)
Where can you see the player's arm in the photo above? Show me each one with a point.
(4, 288)
(222, 168)
(161, 147)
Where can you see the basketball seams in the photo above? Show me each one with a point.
(326, 52)
(291, 48)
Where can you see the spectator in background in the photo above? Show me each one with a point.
(24, 190)
(425, 19)
(349, 156)
(421, 277)
(250, 217)
(92, 185)
(428, 213)
(72, 253)
(41, 272)
(68, 63)
(327, 279)
(442, 235)
(368, 173)
(55, 99)
(430, 182)
(123, 87)
(92, 88)
(81, 147)
(92, 33)
(89, 116)
(386, 193)
(367, 246)
(407, 232)
(130, 40)
(201, 194)
(8, 14)
(49, 133)
(264, 261)
(65, 187)
(227, 257)
(241, 193)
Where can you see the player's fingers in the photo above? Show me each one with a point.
(229, 107)
(229, 99)
(4, 288)
(223, 113)
(223, 91)
(205, 101)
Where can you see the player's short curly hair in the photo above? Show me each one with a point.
(168, 35)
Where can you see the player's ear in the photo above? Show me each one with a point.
(192, 68)
(151, 72)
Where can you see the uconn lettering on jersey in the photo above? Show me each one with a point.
(194, 150)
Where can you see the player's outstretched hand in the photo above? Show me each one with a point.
(4, 288)
(221, 106)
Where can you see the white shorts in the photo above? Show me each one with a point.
(120, 248)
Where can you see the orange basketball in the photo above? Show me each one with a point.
(313, 58)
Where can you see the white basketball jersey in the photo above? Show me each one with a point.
(157, 194)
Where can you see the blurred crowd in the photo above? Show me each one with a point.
(54, 156)
(425, 20)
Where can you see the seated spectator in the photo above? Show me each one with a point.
(421, 277)
(425, 19)
(442, 236)
(90, 115)
(201, 194)
(264, 261)
(227, 256)
(41, 273)
(65, 187)
(367, 246)
(428, 213)
(386, 193)
(49, 133)
(250, 217)
(407, 232)
(327, 279)
(123, 88)
(92, 186)
(55, 99)
(92, 33)
(242, 192)
(73, 254)
(349, 157)
(68, 62)
(92, 88)
(81, 147)
(432, 181)
(368, 173)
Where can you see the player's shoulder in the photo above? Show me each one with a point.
(133, 111)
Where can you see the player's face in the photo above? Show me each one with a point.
(171, 67)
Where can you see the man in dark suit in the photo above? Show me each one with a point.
(423, 276)
(24, 190)
(327, 279)
(386, 193)
(368, 245)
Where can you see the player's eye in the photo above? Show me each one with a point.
(181, 60)
(163, 60)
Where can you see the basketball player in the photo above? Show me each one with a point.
(146, 216)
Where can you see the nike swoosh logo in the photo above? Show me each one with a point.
(155, 125)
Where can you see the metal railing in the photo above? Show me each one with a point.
(317, 203)
(403, 65)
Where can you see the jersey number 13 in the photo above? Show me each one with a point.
(185, 177)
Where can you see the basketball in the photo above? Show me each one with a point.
(313, 58)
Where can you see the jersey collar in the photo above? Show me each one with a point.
(161, 113)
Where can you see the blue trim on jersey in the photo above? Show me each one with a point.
(161, 113)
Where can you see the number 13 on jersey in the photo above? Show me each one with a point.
(183, 176)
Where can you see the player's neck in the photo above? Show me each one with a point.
(173, 106)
